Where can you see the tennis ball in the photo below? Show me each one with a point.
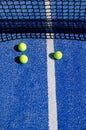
(23, 59)
(22, 47)
(58, 55)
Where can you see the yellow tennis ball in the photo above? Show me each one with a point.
(22, 47)
(58, 55)
(23, 59)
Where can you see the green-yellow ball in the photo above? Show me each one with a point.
(22, 47)
(23, 59)
(58, 55)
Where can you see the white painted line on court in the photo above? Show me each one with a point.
(52, 103)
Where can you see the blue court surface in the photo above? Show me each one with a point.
(24, 88)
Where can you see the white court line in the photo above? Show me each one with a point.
(52, 103)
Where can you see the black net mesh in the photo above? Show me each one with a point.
(65, 19)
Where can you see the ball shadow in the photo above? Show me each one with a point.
(51, 55)
(16, 48)
(17, 60)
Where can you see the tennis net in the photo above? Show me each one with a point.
(63, 19)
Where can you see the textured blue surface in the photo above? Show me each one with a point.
(23, 88)
(71, 85)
